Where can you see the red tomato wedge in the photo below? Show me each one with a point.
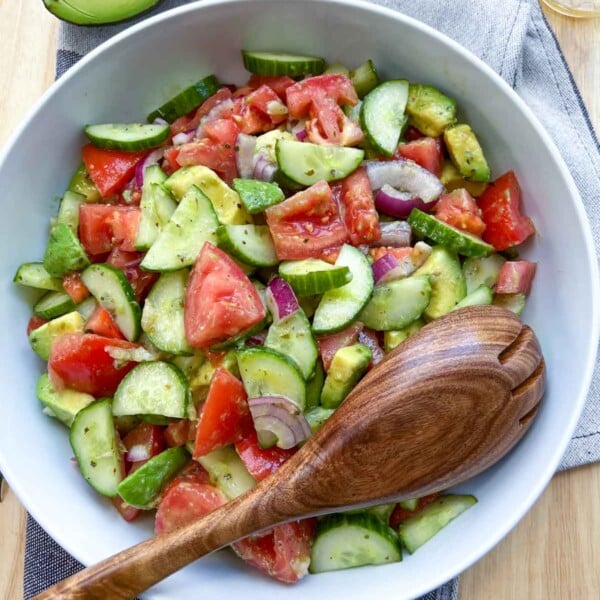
(370, 339)
(260, 462)
(82, 362)
(220, 301)
(330, 344)
(110, 170)
(278, 84)
(515, 277)
(104, 226)
(75, 287)
(306, 223)
(102, 323)
(225, 415)
(259, 111)
(500, 205)
(35, 322)
(192, 120)
(398, 253)
(129, 262)
(128, 512)
(302, 95)
(143, 442)
(427, 152)
(178, 433)
(401, 514)
(460, 210)
(360, 216)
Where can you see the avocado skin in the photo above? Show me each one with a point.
(97, 12)
(64, 252)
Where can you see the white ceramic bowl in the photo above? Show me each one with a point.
(136, 71)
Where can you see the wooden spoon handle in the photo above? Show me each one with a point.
(134, 570)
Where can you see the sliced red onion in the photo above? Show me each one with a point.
(281, 300)
(295, 126)
(382, 266)
(388, 267)
(279, 420)
(396, 234)
(406, 176)
(263, 169)
(395, 203)
(301, 135)
(159, 121)
(138, 452)
(257, 340)
(244, 154)
(183, 138)
(151, 159)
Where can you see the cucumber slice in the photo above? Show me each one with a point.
(34, 275)
(312, 276)
(96, 447)
(410, 504)
(338, 68)
(317, 416)
(81, 183)
(275, 64)
(68, 211)
(41, 338)
(417, 530)
(314, 386)
(266, 372)
(306, 163)
(227, 472)
(397, 304)
(364, 78)
(130, 137)
(293, 337)
(152, 388)
(87, 307)
(143, 488)
(482, 296)
(340, 306)
(460, 241)
(391, 339)
(257, 196)
(252, 244)
(113, 292)
(382, 511)
(344, 541)
(162, 317)
(179, 243)
(430, 111)
(514, 302)
(382, 115)
(482, 271)
(63, 405)
(64, 252)
(53, 304)
(186, 100)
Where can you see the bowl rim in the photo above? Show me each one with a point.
(438, 577)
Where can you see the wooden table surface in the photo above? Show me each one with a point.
(554, 553)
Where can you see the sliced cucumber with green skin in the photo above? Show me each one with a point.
(275, 64)
(338, 68)
(314, 386)
(514, 302)
(64, 252)
(162, 317)
(460, 241)
(143, 488)
(42, 337)
(186, 100)
(364, 78)
(312, 276)
(113, 292)
(96, 447)
(482, 296)
(152, 388)
(430, 111)
(448, 286)
(34, 275)
(417, 530)
(130, 137)
(306, 163)
(227, 472)
(317, 416)
(343, 541)
(252, 244)
(63, 405)
(87, 307)
(382, 511)
(293, 337)
(396, 304)
(53, 304)
(309, 304)
(81, 183)
(340, 306)
(382, 115)
(410, 504)
(482, 271)
(391, 339)
(257, 196)
(179, 243)
(266, 372)
(68, 211)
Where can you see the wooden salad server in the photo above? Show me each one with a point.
(442, 407)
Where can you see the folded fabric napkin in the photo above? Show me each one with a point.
(514, 38)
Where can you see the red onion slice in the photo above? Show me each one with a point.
(399, 204)
(301, 135)
(244, 154)
(396, 234)
(278, 420)
(388, 267)
(137, 453)
(382, 266)
(183, 138)
(257, 340)
(281, 300)
(151, 159)
(263, 169)
(159, 121)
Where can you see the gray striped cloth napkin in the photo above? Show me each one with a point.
(514, 38)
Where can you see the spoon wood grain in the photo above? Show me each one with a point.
(441, 408)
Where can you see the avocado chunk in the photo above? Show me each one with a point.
(200, 381)
(63, 405)
(453, 180)
(81, 183)
(466, 153)
(227, 472)
(64, 253)
(429, 110)
(41, 338)
(448, 284)
(97, 12)
(314, 386)
(317, 416)
(226, 202)
(394, 338)
(347, 367)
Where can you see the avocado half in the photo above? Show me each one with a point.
(97, 12)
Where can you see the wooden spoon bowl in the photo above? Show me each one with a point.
(441, 408)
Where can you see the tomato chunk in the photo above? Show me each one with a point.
(102, 323)
(82, 362)
(178, 433)
(261, 110)
(460, 210)
(515, 277)
(371, 340)
(306, 224)
(330, 344)
(129, 262)
(360, 216)
(427, 152)
(225, 415)
(104, 226)
(278, 84)
(500, 205)
(220, 301)
(192, 120)
(143, 442)
(75, 287)
(35, 322)
(110, 170)
(260, 462)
